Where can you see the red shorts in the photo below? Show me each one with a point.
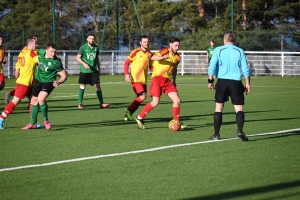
(2, 78)
(21, 91)
(159, 85)
(139, 88)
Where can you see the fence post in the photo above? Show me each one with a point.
(182, 63)
(282, 64)
(65, 60)
(112, 62)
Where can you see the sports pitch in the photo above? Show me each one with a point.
(94, 154)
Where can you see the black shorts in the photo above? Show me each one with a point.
(89, 78)
(45, 87)
(226, 88)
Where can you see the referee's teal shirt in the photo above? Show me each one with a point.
(229, 62)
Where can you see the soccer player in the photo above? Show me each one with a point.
(210, 51)
(161, 81)
(45, 81)
(88, 57)
(12, 92)
(2, 61)
(138, 60)
(228, 64)
(26, 64)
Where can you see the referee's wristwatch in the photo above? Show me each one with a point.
(210, 81)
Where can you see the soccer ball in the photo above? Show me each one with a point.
(174, 125)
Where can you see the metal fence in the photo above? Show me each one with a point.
(193, 62)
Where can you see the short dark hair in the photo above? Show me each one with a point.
(29, 40)
(229, 36)
(51, 45)
(90, 34)
(174, 39)
(143, 36)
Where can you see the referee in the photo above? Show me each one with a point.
(228, 63)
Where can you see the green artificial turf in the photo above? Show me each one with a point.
(94, 154)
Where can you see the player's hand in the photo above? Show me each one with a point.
(247, 89)
(56, 83)
(211, 86)
(127, 78)
(4, 61)
(86, 66)
(165, 57)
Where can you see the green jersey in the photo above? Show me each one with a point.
(89, 55)
(47, 67)
(210, 51)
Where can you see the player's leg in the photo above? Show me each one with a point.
(238, 99)
(80, 95)
(146, 110)
(218, 119)
(221, 96)
(172, 92)
(46, 91)
(95, 80)
(9, 108)
(155, 93)
(83, 77)
(176, 104)
(176, 108)
(34, 106)
(34, 113)
(2, 81)
(100, 96)
(8, 95)
(141, 92)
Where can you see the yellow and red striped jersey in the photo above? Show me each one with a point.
(140, 61)
(2, 54)
(27, 61)
(165, 67)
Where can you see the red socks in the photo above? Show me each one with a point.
(176, 111)
(148, 107)
(9, 108)
(135, 105)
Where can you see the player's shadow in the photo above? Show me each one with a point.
(275, 136)
(248, 192)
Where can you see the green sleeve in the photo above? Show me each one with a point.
(59, 66)
(41, 52)
(80, 51)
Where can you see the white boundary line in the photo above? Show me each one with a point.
(137, 151)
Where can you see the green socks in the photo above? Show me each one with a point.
(34, 113)
(100, 97)
(44, 110)
(80, 96)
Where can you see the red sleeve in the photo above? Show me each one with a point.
(164, 51)
(32, 54)
(126, 66)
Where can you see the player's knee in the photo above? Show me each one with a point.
(82, 87)
(143, 97)
(176, 101)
